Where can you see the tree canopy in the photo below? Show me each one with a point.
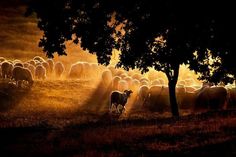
(163, 34)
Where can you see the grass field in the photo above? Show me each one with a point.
(69, 118)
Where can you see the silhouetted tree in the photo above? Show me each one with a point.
(162, 34)
(220, 45)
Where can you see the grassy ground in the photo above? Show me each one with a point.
(68, 118)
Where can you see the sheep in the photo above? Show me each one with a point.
(115, 82)
(59, 69)
(189, 82)
(128, 80)
(7, 68)
(119, 98)
(212, 98)
(122, 85)
(106, 77)
(112, 69)
(137, 76)
(76, 70)
(38, 58)
(20, 74)
(190, 89)
(143, 93)
(18, 64)
(40, 72)
(155, 82)
(144, 83)
(47, 67)
(232, 98)
(87, 70)
(158, 98)
(26, 65)
(0, 70)
(2, 59)
(32, 69)
(123, 75)
(32, 62)
(17, 61)
(51, 65)
(135, 85)
(95, 70)
(162, 81)
(144, 79)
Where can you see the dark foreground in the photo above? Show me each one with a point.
(208, 134)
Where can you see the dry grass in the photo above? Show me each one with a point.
(52, 119)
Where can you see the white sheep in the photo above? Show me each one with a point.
(7, 68)
(76, 70)
(40, 72)
(59, 69)
(20, 74)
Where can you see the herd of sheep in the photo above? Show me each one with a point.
(149, 90)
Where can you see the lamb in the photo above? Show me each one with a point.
(20, 74)
(119, 98)
(40, 72)
(59, 69)
(7, 68)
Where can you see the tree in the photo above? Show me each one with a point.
(220, 45)
(159, 35)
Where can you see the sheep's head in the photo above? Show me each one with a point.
(128, 92)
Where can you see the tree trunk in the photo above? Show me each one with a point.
(173, 78)
(173, 100)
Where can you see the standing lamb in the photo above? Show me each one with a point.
(119, 98)
(20, 74)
